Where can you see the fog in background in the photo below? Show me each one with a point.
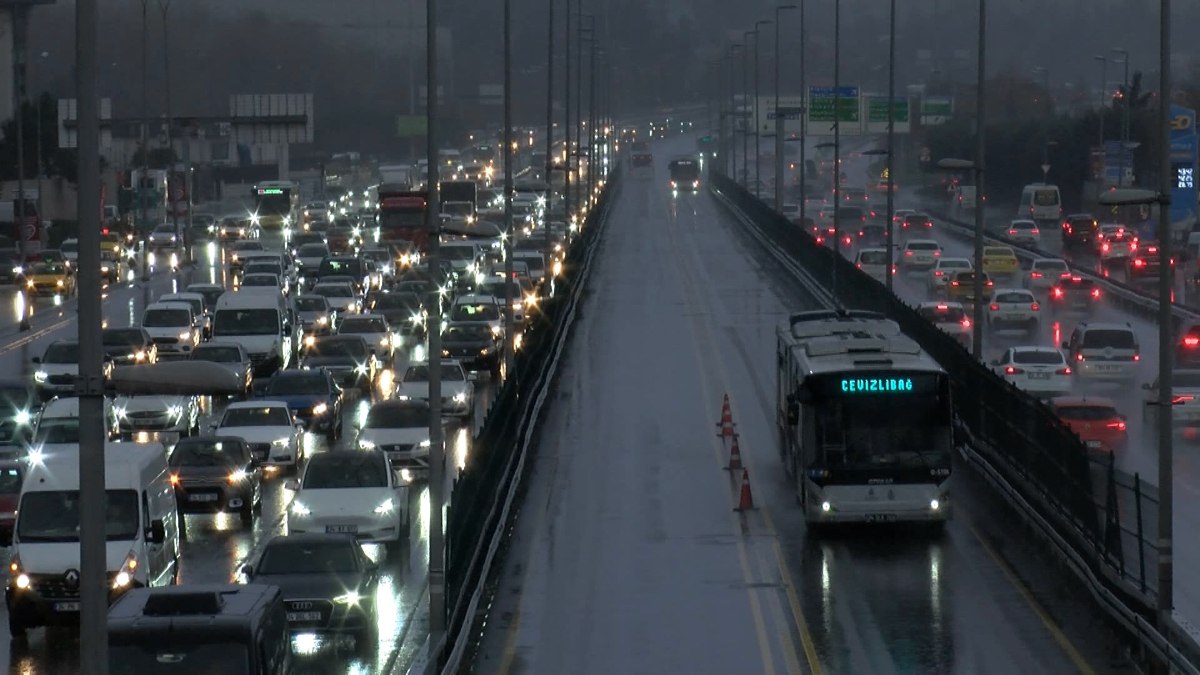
(356, 56)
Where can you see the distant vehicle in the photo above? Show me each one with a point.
(951, 317)
(1040, 202)
(402, 216)
(1045, 273)
(685, 175)
(276, 205)
(216, 474)
(1094, 419)
(1079, 231)
(640, 155)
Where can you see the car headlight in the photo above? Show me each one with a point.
(124, 575)
(364, 444)
(22, 417)
(18, 270)
(299, 509)
(361, 369)
(321, 321)
(281, 442)
(237, 475)
(424, 444)
(320, 409)
(139, 355)
(460, 397)
(175, 411)
(41, 376)
(253, 218)
(185, 335)
(351, 598)
(59, 283)
(496, 330)
(386, 507)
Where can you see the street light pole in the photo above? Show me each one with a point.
(437, 455)
(734, 113)
(1125, 104)
(549, 141)
(580, 31)
(93, 582)
(779, 119)
(803, 120)
(980, 124)
(757, 127)
(1103, 93)
(745, 177)
(1166, 450)
(567, 40)
(891, 141)
(173, 184)
(20, 22)
(837, 144)
(508, 190)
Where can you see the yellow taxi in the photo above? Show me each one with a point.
(1000, 260)
(961, 287)
(49, 277)
(111, 242)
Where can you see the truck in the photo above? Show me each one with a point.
(459, 197)
(401, 218)
(399, 174)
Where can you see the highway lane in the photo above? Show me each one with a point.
(217, 546)
(625, 556)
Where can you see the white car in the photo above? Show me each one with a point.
(267, 427)
(1011, 307)
(943, 269)
(373, 328)
(57, 369)
(264, 280)
(1045, 273)
(350, 492)
(458, 389)
(478, 308)
(1043, 371)
(161, 419)
(70, 250)
(400, 429)
(162, 236)
(951, 317)
(341, 295)
(173, 328)
(309, 257)
(1022, 231)
(875, 262)
(920, 254)
(1115, 243)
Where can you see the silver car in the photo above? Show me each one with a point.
(228, 355)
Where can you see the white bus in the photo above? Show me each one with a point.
(864, 420)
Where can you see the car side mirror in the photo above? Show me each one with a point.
(157, 533)
(36, 359)
(291, 484)
(247, 571)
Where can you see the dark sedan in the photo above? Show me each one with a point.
(313, 397)
(128, 346)
(472, 343)
(328, 584)
(347, 357)
(216, 474)
(404, 311)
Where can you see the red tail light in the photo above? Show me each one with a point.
(928, 224)
(1035, 307)
(1104, 248)
(1096, 293)
(1035, 275)
(995, 307)
(1119, 425)
(1079, 357)
(953, 283)
(861, 233)
(1035, 232)
(1012, 233)
(1139, 263)
(938, 273)
(942, 308)
(1182, 398)
(858, 265)
(1191, 341)
(908, 253)
(1066, 370)
(1137, 357)
(937, 254)
(1058, 292)
(1013, 370)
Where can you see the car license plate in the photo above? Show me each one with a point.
(1095, 444)
(202, 497)
(341, 529)
(1013, 317)
(880, 517)
(66, 606)
(1110, 369)
(303, 616)
(1039, 376)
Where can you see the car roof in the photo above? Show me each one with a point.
(1035, 348)
(1055, 261)
(1010, 289)
(1023, 221)
(167, 304)
(241, 405)
(937, 304)
(1105, 326)
(942, 261)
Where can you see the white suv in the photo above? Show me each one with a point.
(173, 328)
(1103, 351)
(920, 254)
(1011, 307)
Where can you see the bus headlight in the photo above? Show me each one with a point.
(934, 505)
(826, 507)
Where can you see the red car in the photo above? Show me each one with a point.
(1095, 420)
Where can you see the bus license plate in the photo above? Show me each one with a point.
(66, 606)
(880, 517)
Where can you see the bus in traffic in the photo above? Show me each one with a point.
(865, 420)
(276, 204)
(685, 175)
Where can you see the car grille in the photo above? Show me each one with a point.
(166, 341)
(55, 586)
(61, 379)
(325, 608)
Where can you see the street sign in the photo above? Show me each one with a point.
(877, 114)
(1045, 169)
(68, 121)
(784, 114)
(823, 99)
(272, 118)
(791, 111)
(936, 109)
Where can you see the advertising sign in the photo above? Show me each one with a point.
(1183, 165)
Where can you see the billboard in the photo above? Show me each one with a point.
(1183, 165)
(791, 109)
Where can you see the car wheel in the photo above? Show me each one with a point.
(246, 513)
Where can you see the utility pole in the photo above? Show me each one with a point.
(745, 177)
(579, 32)
(93, 564)
(20, 22)
(546, 252)
(891, 143)
(1166, 432)
(508, 190)
(837, 144)
(980, 146)
(437, 455)
(567, 40)
(173, 184)
(779, 187)
(757, 128)
(803, 120)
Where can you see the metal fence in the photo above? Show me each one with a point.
(1106, 516)
(489, 473)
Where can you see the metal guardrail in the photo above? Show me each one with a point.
(1076, 500)
(484, 492)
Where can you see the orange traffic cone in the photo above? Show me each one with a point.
(726, 423)
(735, 456)
(745, 499)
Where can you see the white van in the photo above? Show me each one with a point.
(173, 326)
(141, 522)
(57, 424)
(259, 322)
(1040, 202)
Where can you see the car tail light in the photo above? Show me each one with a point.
(1013, 370)
(1035, 275)
(1118, 425)
(1104, 248)
(1065, 370)
(995, 307)
(1035, 307)
(1012, 233)
(937, 254)
(929, 224)
(1139, 263)
(1058, 292)
(904, 226)
(858, 265)
(1035, 232)
(908, 253)
(966, 323)
(953, 283)
(1096, 293)
(1191, 341)
(938, 273)
(861, 233)
(1136, 357)
(990, 283)
(1182, 398)
(1080, 357)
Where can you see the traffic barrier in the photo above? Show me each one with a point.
(735, 456)
(745, 499)
(726, 423)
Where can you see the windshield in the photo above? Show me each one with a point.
(1045, 197)
(57, 430)
(923, 246)
(49, 268)
(1037, 357)
(459, 253)
(467, 333)
(290, 385)
(954, 265)
(246, 322)
(309, 557)
(535, 262)
(62, 352)
(260, 280)
(69, 247)
(122, 337)
(364, 324)
(1051, 265)
(350, 470)
(53, 516)
(450, 373)
(408, 301)
(397, 417)
(334, 291)
(1117, 339)
(999, 252)
(873, 257)
(354, 348)
(217, 353)
(1014, 297)
(265, 416)
(166, 318)
(311, 304)
(207, 453)
(180, 657)
(475, 311)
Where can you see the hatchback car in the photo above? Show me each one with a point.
(216, 474)
(1095, 420)
(1044, 273)
(920, 254)
(943, 269)
(1026, 232)
(375, 329)
(1079, 231)
(1075, 293)
(1000, 261)
(312, 395)
(1014, 308)
(1042, 371)
(267, 426)
(458, 389)
(347, 357)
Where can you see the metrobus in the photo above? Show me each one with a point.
(864, 418)
(276, 204)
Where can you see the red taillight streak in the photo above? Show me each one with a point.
(1191, 341)
(1035, 307)
(1118, 425)
(995, 307)
(1063, 371)
(1010, 370)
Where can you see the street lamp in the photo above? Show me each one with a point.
(757, 129)
(977, 285)
(509, 156)
(734, 111)
(1103, 93)
(745, 178)
(778, 117)
(1125, 105)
